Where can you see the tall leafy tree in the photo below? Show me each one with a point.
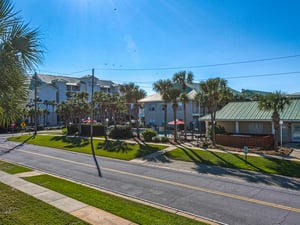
(163, 87)
(275, 103)
(183, 78)
(214, 94)
(20, 52)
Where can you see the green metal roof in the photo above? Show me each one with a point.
(249, 111)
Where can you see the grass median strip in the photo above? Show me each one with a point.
(19, 208)
(254, 163)
(133, 211)
(109, 148)
(12, 168)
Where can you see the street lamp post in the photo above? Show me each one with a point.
(281, 123)
(35, 103)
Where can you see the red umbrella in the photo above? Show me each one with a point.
(178, 122)
(89, 120)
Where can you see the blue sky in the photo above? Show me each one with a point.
(142, 41)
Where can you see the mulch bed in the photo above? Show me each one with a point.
(285, 151)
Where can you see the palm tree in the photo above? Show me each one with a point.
(163, 87)
(137, 95)
(53, 104)
(174, 94)
(183, 78)
(132, 94)
(20, 51)
(127, 91)
(274, 102)
(214, 94)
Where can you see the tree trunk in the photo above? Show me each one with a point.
(175, 123)
(184, 112)
(213, 129)
(165, 124)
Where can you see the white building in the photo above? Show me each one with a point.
(52, 90)
(152, 112)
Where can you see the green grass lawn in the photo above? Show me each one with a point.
(133, 211)
(18, 208)
(110, 148)
(259, 164)
(12, 168)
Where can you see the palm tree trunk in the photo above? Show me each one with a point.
(165, 116)
(184, 112)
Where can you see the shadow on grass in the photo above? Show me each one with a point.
(194, 156)
(114, 146)
(248, 163)
(71, 141)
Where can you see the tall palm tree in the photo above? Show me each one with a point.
(137, 95)
(274, 102)
(174, 94)
(133, 94)
(20, 51)
(183, 78)
(53, 104)
(127, 91)
(163, 87)
(214, 93)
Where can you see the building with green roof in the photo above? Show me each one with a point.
(247, 118)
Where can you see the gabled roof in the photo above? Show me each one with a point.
(49, 78)
(249, 111)
(151, 98)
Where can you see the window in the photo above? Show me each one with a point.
(151, 107)
(76, 88)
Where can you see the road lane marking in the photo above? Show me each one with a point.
(209, 191)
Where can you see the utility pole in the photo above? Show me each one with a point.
(91, 124)
(92, 105)
(35, 103)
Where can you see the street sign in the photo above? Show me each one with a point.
(23, 125)
(246, 150)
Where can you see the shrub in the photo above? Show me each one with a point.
(164, 139)
(148, 134)
(98, 130)
(156, 139)
(120, 131)
(72, 129)
(64, 131)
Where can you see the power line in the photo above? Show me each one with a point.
(264, 75)
(201, 66)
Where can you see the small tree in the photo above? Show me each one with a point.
(214, 94)
(274, 102)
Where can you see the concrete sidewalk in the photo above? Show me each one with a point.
(78, 209)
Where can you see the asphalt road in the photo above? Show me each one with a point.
(220, 198)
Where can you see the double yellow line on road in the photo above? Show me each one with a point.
(192, 187)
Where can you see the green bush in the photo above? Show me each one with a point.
(72, 129)
(148, 134)
(98, 130)
(156, 139)
(120, 131)
(64, 131)
(164, 139)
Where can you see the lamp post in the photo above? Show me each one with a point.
(281, 123)
(35, 103)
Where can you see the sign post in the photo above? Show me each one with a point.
(246, 153)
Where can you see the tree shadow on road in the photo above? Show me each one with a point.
(2, 152)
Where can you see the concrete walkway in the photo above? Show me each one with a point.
(78, 209)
